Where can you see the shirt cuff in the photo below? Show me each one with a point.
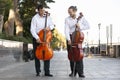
(51, 27)
(36, 37)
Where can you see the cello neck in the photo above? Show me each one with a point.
(45, 20)
(46, 16)
(44, 37)
(79, 17)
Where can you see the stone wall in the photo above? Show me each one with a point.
(13, 49)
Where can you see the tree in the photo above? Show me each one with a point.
(58, 40)
(18, 15)
(18, 21)
(13, 18)
(4, 5)
(27, 11)
(9, 24)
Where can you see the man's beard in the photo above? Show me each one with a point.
(73, 16)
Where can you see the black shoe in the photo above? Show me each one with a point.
(82, 75)
(72, 75)
(37, 74)
(49, 75)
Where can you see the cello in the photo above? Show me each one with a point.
(75, 53)
(77, 38)
(44, 50)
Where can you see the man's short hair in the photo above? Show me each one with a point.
(74, 8)
(40, 7)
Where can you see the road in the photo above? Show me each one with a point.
(95, 68)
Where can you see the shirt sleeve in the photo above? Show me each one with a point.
(67, 29)
(51, 25)
(33, 28)
(84, 25)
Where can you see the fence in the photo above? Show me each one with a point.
(113, 51)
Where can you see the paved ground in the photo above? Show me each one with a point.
(96, 68)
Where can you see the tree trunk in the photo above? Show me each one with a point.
(14, 17)
(9, 24)
(1, 23)
(18, 21)
(19, 26)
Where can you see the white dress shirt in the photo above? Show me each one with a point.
(38, 23)
(70, 25)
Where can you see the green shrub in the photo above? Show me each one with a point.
(16, 38)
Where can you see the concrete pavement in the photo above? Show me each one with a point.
(96, 68)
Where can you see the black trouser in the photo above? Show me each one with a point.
(78, 65)
(37, 61)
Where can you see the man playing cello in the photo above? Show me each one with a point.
(37, 24)
(71, 23)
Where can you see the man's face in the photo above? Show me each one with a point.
(71, 12)
(42, 11)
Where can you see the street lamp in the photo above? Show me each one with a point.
(107, 36)
(99, 38)
(87, 44)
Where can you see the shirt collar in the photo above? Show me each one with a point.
(72, 18)
(40, 16)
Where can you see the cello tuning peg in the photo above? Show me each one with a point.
(47, 13)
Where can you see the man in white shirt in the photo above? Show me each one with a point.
(37, 24)
(70, 25)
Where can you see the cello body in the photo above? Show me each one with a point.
(75, 53)
(44, 50)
